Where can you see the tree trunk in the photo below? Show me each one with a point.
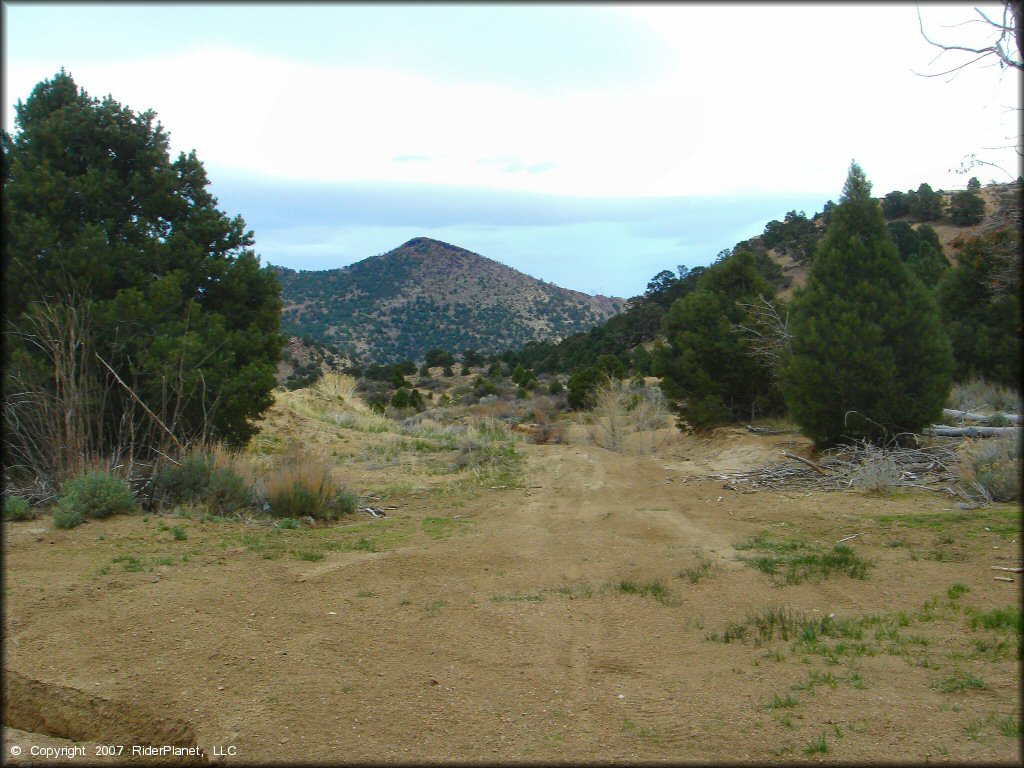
(944, 431)
(949, 413)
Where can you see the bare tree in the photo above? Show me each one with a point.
(1002, 42)
(1004, 45)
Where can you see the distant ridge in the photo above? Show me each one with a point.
(426, 294)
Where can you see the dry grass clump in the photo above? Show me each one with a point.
(991, 468)
(878, 474)
(980, 395)
(367, 421)
(303, 486)
(337, 386)
(626, 416)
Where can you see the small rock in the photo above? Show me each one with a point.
(433, 681)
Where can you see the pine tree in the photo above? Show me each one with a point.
(870, 358)
(706, 362)
(99, 215)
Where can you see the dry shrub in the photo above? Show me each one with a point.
(303, 486)
(336, 386)
(627, 417)
(877, 474)
(980, 395)
(991, 468)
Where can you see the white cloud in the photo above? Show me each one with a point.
(757, 99)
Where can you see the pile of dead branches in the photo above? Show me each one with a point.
(855, 467)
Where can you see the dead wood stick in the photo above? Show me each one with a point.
(847, 538)
(1002, 578)
(808, 462)
(138, 400)
(1009, 570)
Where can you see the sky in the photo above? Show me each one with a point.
(589, 145)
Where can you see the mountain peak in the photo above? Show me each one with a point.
(427, 293)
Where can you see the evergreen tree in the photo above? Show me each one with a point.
(966, 208)
(895, 205)
(98, 215)
(870, 358)
(980, 300)
(925, 204)
(920, 249)
(706, 362)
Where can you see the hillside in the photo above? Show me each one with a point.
(999, 201)
(428, 294)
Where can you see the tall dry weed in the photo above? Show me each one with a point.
(990, 468)
(626, 417)
(337, 386)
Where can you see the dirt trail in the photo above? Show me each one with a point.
(509, 637)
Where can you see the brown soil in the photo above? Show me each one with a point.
(504, 635)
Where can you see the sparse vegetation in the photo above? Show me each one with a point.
(792, 561)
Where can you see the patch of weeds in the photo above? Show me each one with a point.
(309, 555)
(779, 702)
(1009, 726)
(442, 527)
(434, 607)
(786, 720)
(405, 602)
(1007, 619)
(959, 681)
(818, 745)
(857, 681)
(956, 591)
(364, 545)
(288, 523)
(816, 678)
(366, 594)
(572, 591)
(639, 731)
(165, 560)
(894, 543)
(992, 649)
(178, 532)
(973, 729)
(697, 572)
(793, 561)
(945, 556)
(655, 589)
(536, 597)
(130, 563)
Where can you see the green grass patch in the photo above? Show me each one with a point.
(959, 681)
(535, 597)
(639, 731)
(817, 746)
(697, 572)
(1001, 519)
(1006, 619)
(956, 591)
(655, 589)
(442, 527)
(793, 561)
(781, 702)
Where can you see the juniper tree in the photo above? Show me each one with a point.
(98, 216)
(706, 362)
(870, 358)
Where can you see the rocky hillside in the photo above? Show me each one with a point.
(428, 294)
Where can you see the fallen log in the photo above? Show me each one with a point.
(808, 462)
(942, 430)
(950, 413)
(1003, 568)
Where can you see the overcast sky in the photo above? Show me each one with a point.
(588, 145)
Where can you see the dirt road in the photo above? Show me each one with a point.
(571, 619)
